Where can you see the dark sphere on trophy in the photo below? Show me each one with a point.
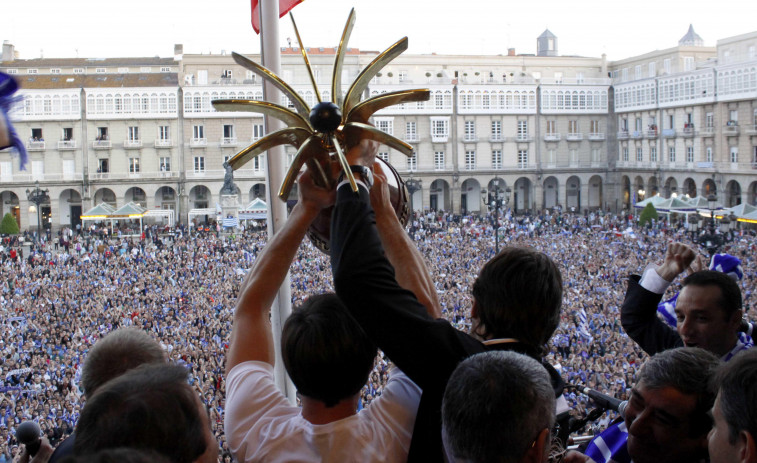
(325, 117)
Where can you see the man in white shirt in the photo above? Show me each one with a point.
(326, 354)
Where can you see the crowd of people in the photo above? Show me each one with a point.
(181, 289)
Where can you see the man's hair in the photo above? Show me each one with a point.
(326, 353)
(494, 407)
(730, 294)
(149, 407)
(519, 295)
(689, 370)
(118, 352)
(737, 383)
(120, 455)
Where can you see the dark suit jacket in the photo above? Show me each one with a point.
(427, 350)
(638, 315)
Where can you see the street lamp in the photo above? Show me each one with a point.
(413, 185)
(693, 225)
(711, 240)
(497, 202)
(38, 196)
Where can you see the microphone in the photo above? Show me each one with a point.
(606, 401)
(27, 433)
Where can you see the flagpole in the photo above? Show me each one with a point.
(276, 166)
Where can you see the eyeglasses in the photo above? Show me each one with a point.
(557, 450)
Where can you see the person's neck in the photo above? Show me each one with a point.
(316, 412)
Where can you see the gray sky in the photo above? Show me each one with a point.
(88, 28)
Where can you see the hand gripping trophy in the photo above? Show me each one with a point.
(323, 133)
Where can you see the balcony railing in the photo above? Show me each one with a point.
(650, 133)
(551, 137)
(689, 132)
(163, 143)
(751, 129)
(412, 138)
(229, 141)
(636, 134)
(439, 138)
(731, 130)
(470, 139)
(596, 136)
(132, 175)
(67, 144)
(623, 135)
(35, 145)
(198, 142)
(575, 136)
(522, 137)
(132, 144)
(669, 133)
(496, 139)
(205, 173)
(707, 132)
(101, 144)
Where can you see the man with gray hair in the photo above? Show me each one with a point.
(499, 406)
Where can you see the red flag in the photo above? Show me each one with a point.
(284, 7)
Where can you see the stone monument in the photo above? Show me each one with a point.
(229, 196)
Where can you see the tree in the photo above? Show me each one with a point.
(648, 214)
(9, 226)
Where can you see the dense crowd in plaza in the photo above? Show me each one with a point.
(56, 303)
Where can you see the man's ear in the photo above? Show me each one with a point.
(747, 447)
(474, 309)
(537, 452)
(735, 320)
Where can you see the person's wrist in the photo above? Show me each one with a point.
(666, 272)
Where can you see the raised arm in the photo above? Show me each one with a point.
(409, 267)
(251, 335)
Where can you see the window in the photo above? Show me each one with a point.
(522, 130)
(37, 135)
(12, 71)
(637, 124)
(412, 162)
(671, 121)
(709, 120)
(595, 155)
(31, 71)
(672, 153)
(688, 63)
(102, 133)
(689, 154)
(402, 75)
(68, 134)
(199, 163)
(624, 125)
(708, 154)
(411, 133)
(734, 154)
(625, 154)
(165, 164)
(470, 131)
(163, 133)
(165, 69)
(573, 157)
(99, 70)
(639, 155)
(439, 129)
(470, 159)
(637, 72)
(652, 69)
(666, 65)
(145, 69)
(228, 131)
(653, 153)
(198, 132)
(78, 70)
(522, 159)
(496, 159)
(133, 134)
(385, 125)
(133, 165)
(551, 156)
(551, 128)
(55, 71)
(257, 132)
(594, 126)
(733, 116)
(497, 130)
(103, 166)
(438, 160)
(226, 74)
(573, 126)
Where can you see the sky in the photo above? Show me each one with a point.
(138, 28)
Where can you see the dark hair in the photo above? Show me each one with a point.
(689, 370)
(119, 351)
(326, 353)
(495, 405)
(119, 455)
(149, 407)
(730, 294)
(737, 383)
(519, 295)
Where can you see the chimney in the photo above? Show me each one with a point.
(511, 52)
(9, 53)
(178, 51)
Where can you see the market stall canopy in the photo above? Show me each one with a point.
(674, 205)
(655, 200)
(99, 212)
(256, 210)
(742, 210)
